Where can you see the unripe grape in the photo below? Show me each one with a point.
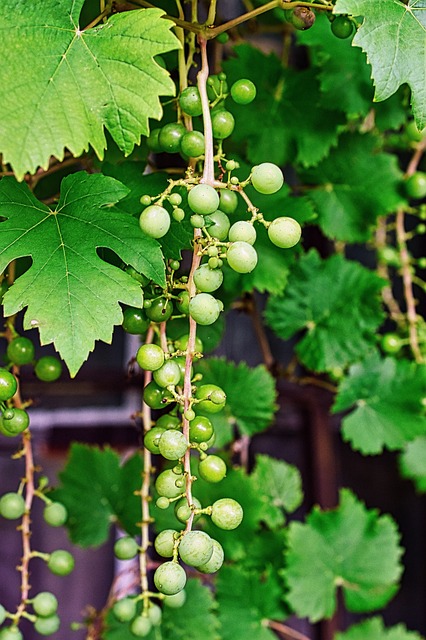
(227, 513)
(212, 469)
(135, 321)
(14, 422)
(176, 601)
(415, 186)
(125, 609)
(164, 543)
(60, 562)
(152, 438)
(219, 226)
(170, 578)
(242, 231)
(228, 201)
(391, 343)
(20, 350)
(196, 547)
(243, 91)
(55, 514)
(150, 357)
(267, 178)
(284, 232)
(165, 484)
(342, 27)
(190, 101)
(141, 626)
(206, 279)
(200, 429)
(47, 626)
(155, 221)
(192, 144)
(168, 374)
(8, 385)
(212, 398)
(11, 633)
(172, 444)
(183, 510)
(216, 560)
(155, 615)
(12, 506)
(204, 308)
(203, 199)
(48, 369)
(170, 137)
(2, 614)
(241, 257)
(126, 548)
(45, 604)
(223, 124)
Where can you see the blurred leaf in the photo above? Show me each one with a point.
(374, 629)
(413, 462)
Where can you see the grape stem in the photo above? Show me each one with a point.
(285, 631)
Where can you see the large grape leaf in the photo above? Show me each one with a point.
(374, 629)
(393, 36)
(259, 600)
(240, 381)
(71, 294)
(290, 132)
(349, 547)
(386, 398)
(316, 301)
(413, 462)
(354, 185)
(60, 86)
(97, 491)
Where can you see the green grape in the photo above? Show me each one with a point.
(342, 27)
(197, 221)
(152, 438)
(20, 351)
(55, 514)
(125, 609)
(200, 429)
(164, 543)
(176, 601)
(47, 626)
(126, 548)
(48, 369)
(182, 302)
(242, 231)
(267, 178)
(155, 396)
(413, 132)
(204, 308)
(219, 226)
(131, 271)
(160, 310)
(45, 604)
(168, 374)
(145, 200)
(284, 232)
(228, 201)
(150, 357)
(389, 256)
(168, 421)
(2, 614)
(170, 578)
(183, 510)
(212, 469)
(206, 279)
(12, 506)
(190, 101)
(192, 144)
(162, 503)
(241, 257)
(155, 221)
(170, 137)
(153, 142)
(212, 398)
(165, 484)
(178, 214)
(216, 560)
(175, 199)
(172, 444)
(8, 385)
(16, 424)
(155, 614)
(135, 321)
(243, 91)
(182, 344)
(391, 343)
(203, 199)
(60, 562)
(196, 547)
(141, 626)
(11, 633)
(223, 124)
(415, 185)
(227, 513)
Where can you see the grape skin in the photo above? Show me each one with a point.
(241, 257)
(195, 548)
(206, 279)
(227, 513)
(204, 308)
(284, 232)
(267, 178)
(242, 231)
(170, 578)
(155, 221)
(203, 199)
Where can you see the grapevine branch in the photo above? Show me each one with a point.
(285, 631)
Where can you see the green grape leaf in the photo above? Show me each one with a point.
(349, 195)
(349, 547)
(413, 462)
(386, 398)
(374, 629)
(316, 301)
(290, 133)
(239, 381)
(71, 83)
(196, 619)
(280, 486)
(259, 600)
(108, 491)
(393, 36)
(71, 294)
